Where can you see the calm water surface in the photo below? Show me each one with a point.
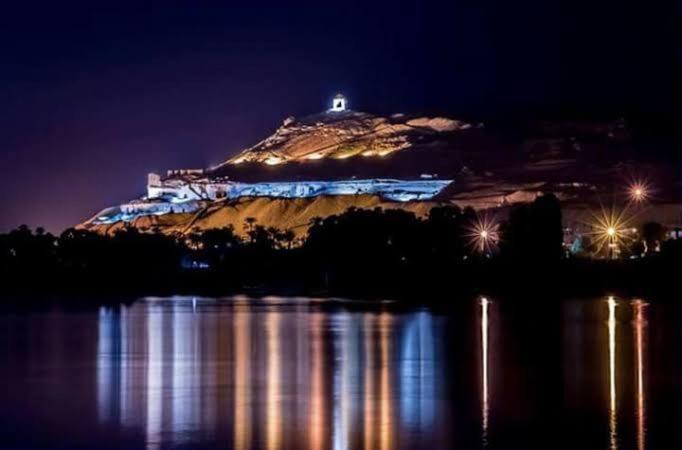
(294, 373)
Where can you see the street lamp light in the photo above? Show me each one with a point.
(639, 191)
(484, 234)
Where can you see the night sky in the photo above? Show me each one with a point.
(92, 98)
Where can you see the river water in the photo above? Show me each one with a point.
(299, 373)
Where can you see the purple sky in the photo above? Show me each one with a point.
(94, 98)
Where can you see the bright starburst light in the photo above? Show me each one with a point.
(639, 191)
(610, 231)
(484, 234)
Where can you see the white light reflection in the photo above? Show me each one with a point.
(133, 340)
(485, 303)
(186, 374)
(417, 375)
(613, 435)
(108, 353)
(345, 368)
(154, 376)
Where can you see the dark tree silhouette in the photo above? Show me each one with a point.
(653, 234)
(359, 251)
(533, 231)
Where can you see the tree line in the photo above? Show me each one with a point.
(366, 251)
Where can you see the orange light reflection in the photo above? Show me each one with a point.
(640, 349)
(385, 426)
(274, 419)
(369, 381)
(317, 425)
(242, 377)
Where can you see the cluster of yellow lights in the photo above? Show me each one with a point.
(484, 234)
(273, 161)
(367, 153)
(610, 230)
(344, 155)
(318, 155)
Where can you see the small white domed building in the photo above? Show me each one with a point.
(339, 103)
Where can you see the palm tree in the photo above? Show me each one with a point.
(249, 225)
(288, 236)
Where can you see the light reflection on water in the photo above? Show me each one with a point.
(242, 377)
(340, 367)
(289, 374)
(273, 385)
(385, 395)
(485, 394)
(637, 309)
(317, 404)
(613, 419)
(640, 355)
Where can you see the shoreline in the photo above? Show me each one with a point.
(651, 277)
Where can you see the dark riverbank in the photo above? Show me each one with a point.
(655, 277)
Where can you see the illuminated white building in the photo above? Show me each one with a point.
(184, 193)
(339, 103)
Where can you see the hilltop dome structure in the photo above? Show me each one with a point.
(339, 103)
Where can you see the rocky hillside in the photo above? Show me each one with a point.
(341, 135)
(583, 163)
(284, 214)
